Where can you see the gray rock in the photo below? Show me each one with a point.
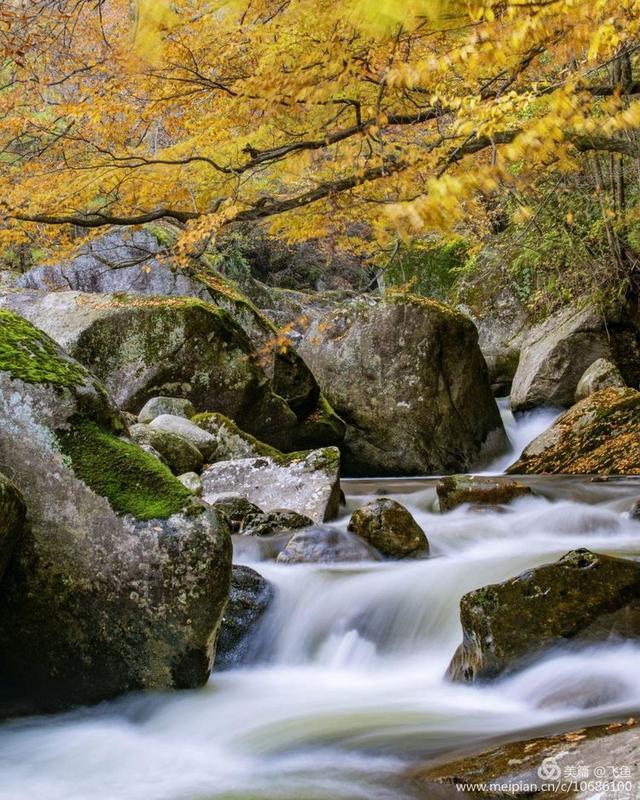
(144, 347)
(236, 509)
(502, 330)
(177, 406)
(389, 527)
(205, 442)
(455, 490)
(249, 597)
(141, 263)
(192, 481)
(582, 598)
(120, 579)
(232, 443)
(277, 521)
(325, 545)
(408, 376)
(555, 355)
(308, 483)
(180, 454)
(635, 510)
(600, 375)
(12, 514)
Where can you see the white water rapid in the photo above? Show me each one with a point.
(348, 691)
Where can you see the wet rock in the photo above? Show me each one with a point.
(176, 451)
(145, 347)
(236, 508)
(277, 521)
(599, 435)
(119, 581)
(582, 598)
(600, 375)
(635, 510)
(456, 490)
(249, 597)
(203, 441)
(522, 768)
(12, 514)
(308, 483)
(389, 527)
(325, 545)
(191, 481)
(555, 355)
(409, 378)
(177, 406)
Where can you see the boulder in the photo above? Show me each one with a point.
(176, 451)
(119, 581)
(249, 597)
(231, 442)
(236, 509)
(390, 528)
(307, 482)
(600, 375)
(202, 440)
(145, 347)
(502, 328)
(12, 513)
(177, 406)
(556, 354)
(455, 490)
(600, 435)
(521, 769)
(582, 598)
(409, 378)
(192, 481)
(635, 510)
(278, 521)
(141, 263)
(325, 545)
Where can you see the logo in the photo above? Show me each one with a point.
(549, 770)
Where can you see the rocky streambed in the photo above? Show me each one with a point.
(344, 693)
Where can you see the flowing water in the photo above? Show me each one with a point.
(348, 688)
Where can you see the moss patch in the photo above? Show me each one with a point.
(29, 355)
(133, 481)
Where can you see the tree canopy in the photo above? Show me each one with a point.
(363, 116)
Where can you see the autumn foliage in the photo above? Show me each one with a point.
(362, 116)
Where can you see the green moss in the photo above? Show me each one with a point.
(29, 355)
(133, 481)
(398, 296)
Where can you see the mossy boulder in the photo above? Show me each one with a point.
(119, 578)
(582, 598)
(231, 441)
(280, 520)
(12, 514)
(456, 490)
(177, 406)
(144, 347)
(249, 597)
(600, 375)
(202, 440)
(176, 451)
(408, 377)
(140, 263)
(390, 528)
(305, 482)
(600, 435)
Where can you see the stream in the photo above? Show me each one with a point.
(347, 690)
